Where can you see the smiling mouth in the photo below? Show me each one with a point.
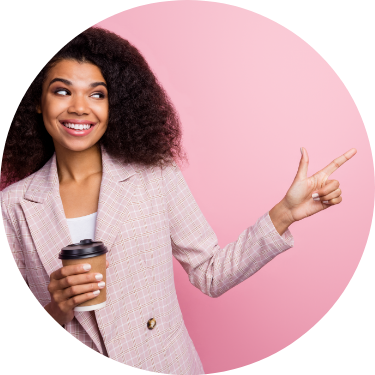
(77, 126)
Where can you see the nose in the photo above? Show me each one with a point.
(79, 106)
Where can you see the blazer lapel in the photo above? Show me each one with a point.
(46, 220)
(116, 190)
(45, 216)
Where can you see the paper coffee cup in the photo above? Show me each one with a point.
(91, 252)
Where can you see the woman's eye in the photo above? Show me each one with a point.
(62, 92)
(98, 95)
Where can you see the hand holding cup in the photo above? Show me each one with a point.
(71, 286)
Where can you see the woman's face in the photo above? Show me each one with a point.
(74, 105)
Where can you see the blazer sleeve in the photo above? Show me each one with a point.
(212, 269)
(13, 239)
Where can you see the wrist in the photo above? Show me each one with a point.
(281, 217)
(49, 309)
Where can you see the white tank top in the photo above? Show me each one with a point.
(82, 228)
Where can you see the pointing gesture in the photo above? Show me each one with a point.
(309, 195)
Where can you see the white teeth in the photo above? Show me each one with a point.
(77, 126)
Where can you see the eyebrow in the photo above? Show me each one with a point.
(68, 83)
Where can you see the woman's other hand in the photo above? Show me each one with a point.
(70, 286)
(309, 195)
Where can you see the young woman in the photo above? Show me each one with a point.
(95, 145)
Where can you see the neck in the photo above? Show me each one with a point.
(77, 165)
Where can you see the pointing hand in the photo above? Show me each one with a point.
(309, 195)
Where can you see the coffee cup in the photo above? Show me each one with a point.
(93, 253)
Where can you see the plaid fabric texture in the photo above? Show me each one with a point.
(145, 215)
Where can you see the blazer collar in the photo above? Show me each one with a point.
(47, 223)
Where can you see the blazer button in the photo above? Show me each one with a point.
(151, 323)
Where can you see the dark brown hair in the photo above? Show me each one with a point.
(143, 125)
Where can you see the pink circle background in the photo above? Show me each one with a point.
(250, 93)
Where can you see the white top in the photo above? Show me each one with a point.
(82, 228)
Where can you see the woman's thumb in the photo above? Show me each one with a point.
(303, 165)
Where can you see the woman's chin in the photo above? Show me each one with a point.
(75, 146)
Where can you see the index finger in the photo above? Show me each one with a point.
(338, 162)
(65, 271)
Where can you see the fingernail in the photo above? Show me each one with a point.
(101, 284)
(87, 267)
(325, 202)
(301, 151)
(316, 199)
(98, 276)
(315, 195)
(96, 292)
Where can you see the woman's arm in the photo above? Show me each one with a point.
(212, 269)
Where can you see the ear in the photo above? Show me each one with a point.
(38, 109)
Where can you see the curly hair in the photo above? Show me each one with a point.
(143, 125)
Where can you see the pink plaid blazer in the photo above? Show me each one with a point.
(145, 215)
